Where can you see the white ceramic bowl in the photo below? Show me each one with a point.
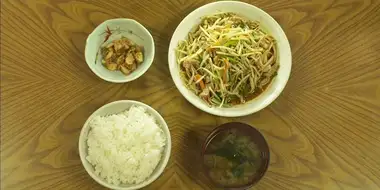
(119, 27)
(250, 12)
(117, 107)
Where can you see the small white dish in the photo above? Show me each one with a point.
(250, 12)
(119, 27)
(113, 108)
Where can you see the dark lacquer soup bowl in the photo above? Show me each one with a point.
(235, 156)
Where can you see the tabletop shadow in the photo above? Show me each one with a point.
(190, 157)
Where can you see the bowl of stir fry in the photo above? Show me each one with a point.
(119, 50)
(229, 58)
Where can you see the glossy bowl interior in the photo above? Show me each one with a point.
(257, 138)
(250, 12)
(113, 108)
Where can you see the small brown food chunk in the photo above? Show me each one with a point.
(123, 55)
(125, 70)
(129, 59)
(111, 66)
(132, 67)
(109, 55)
(139, 57)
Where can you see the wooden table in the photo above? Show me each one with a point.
(323, 130)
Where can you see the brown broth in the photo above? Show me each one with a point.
(253, 95)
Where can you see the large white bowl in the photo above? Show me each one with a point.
(250, 12)
(113, 108)
(120, 27)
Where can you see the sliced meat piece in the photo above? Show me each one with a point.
(187, 63)
(207, 79)
(205, 92)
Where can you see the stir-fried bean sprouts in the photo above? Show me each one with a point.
(227, 59)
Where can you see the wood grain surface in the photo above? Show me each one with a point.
(323, 130)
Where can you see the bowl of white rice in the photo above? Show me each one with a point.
(125, 145)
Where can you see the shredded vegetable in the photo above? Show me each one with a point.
(227, 59)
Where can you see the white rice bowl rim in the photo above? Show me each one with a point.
(127, 104)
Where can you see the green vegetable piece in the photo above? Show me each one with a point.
(238, 171)
(231, 42)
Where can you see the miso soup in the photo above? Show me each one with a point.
(232, 158)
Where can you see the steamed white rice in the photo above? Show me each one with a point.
(125, 147)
